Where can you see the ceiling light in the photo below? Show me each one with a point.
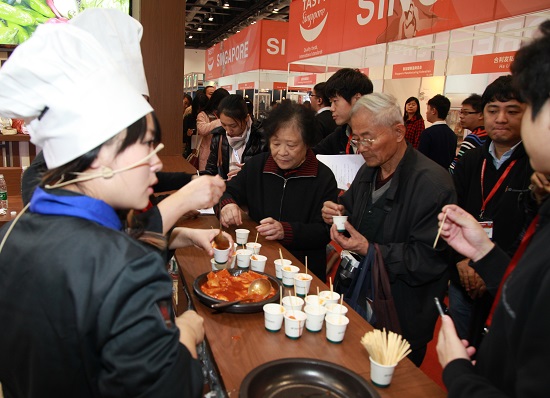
(225, 4)
(210, 18)
(199, 28)
(253, 23)
(190, 36)
(275, 10)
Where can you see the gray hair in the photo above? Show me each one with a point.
(384, 108)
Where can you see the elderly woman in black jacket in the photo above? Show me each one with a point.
(285, 188)
(238, 139)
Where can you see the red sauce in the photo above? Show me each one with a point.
(223, 286)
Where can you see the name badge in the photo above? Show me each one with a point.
(487, 227)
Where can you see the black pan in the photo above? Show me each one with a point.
(303, 377)
(241, 308)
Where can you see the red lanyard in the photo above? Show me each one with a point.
(496, 187)
(519, 252)
(348, 145)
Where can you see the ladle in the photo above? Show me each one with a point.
(220, 240)
(259, 287)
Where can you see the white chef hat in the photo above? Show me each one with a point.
(120, 35)
(72, 92)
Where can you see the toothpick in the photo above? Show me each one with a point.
(306, 265)
(440, 229)
(281, 255)
(330, 282)
(256, 241)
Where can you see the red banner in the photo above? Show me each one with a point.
(493, 63)
(321, 27)
(259, 46)
(305, 79)
(246, 86)
(413, 69)
(279, 85)
(228, 87)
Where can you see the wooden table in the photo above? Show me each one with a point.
(15, 203)
(240, 343)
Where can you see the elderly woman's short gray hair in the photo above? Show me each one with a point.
(384, 107)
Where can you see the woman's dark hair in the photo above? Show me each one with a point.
(198, 104)
(290, 113)
(417, 114)
(531, 70)
(215, 99)
(135, 132)
(234, 107)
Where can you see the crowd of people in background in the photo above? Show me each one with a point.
(485, 194)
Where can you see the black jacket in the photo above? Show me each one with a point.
(295, 199)
(505, 209)
(324, 125)
(418, 273)
(256, 144)
(513, 358)
(335, 143)
(86, 311)
(438, 142)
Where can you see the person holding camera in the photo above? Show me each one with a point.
(393, 202)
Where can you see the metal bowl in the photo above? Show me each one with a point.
(240, 308)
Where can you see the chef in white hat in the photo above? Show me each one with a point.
(88, 306)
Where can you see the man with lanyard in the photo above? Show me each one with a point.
(471, 118)
(343, 89)
(393, 202)
(490, 182)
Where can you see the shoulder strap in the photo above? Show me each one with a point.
(220, 161)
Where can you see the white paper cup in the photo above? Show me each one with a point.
(336, 309)
(288, 275)
(336, 327)
(255, 247)
(294, 323)
(279, 265)
(315, 300)
(241, 236)
(302, 283)
(273, 315)
(257, 262)
(315, 317)
(329, 297)
(293, 303)
(243, 258)
(339, 222)
(381, 375)
(221, 256)
(217, 267)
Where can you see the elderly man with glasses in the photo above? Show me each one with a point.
(393, 202)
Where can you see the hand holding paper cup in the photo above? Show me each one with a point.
(339, 222)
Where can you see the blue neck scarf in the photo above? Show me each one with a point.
(79, 206)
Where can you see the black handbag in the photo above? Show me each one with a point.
(378, 307)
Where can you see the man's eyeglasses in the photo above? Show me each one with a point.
(367, 142)
(464, 113)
